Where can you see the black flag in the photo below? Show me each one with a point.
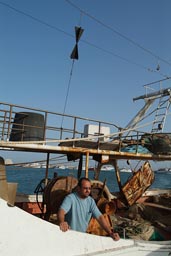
(78, 34)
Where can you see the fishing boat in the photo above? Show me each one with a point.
(125, 170)
(31, 219)
(163, 170)
(107, 168)
(36, 237)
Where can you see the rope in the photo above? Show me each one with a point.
(68, 87)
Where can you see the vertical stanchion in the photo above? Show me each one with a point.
(87, 164)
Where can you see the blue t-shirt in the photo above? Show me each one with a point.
(79, 211)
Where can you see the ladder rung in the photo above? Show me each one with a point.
(156, 122)
(163, 107)
(160, 114)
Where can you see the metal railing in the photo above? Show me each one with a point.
(14, 124)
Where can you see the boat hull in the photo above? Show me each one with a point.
(35, 236)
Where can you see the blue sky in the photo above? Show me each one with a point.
(37, 38)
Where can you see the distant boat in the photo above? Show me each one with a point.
(91, 168)
(43, 165)
(34, 165)
(60, 167)
(107, 168)
(103, 168)
(125, 170)
(163, 170)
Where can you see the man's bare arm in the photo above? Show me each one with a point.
(61, 218)
(103, 223)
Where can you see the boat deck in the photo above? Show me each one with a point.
(34, 130)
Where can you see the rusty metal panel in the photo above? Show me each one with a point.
(138, 183)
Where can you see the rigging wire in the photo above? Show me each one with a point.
(74, 56)
(84, 41)
(125, 59)
(37, 161)
(67, 93)
(36, 19)
(155, 82)
(118, 33)
(60, 160)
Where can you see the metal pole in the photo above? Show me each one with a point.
(87, 164)
(47, 169)
(117, 174)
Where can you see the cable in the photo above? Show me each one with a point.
(38, 161)
(118, 33)
(66, 99)
(125, 59)
(84, 41)
(155, 82)
(36, 19)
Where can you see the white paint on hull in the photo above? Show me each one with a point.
(24, 234)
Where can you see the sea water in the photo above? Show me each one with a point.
(29, 178)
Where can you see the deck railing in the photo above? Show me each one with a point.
(72, 126)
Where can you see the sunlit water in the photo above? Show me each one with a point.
(29, 178)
